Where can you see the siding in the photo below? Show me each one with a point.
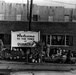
(59, 14)
(43, 13)
(24, 12)
(2, 7)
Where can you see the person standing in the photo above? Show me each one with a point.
(1, 45)
(68, 56)
(48, 50)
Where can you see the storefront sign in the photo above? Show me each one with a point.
(24, 38)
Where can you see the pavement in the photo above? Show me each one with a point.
(12, 65)
(22, 68)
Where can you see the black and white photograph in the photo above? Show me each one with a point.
(37, 37)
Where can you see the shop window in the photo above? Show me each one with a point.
(35, 17)
(69, 40)
(7, 39)
(44, 38)
(1, 37)
(56, 40)
(48, 39)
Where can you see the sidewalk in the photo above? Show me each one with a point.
(36, 66)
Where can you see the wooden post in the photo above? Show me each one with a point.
(30, 15)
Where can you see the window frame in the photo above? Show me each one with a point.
(1, 17)
(65, 43)
(35, 17)
(18, 17)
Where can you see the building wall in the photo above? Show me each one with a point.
(48, 28)
(59, 14)
(35, 9)
(12, 13)
(2, 10)
(7, 12)
(18, 12)
(2, 6)
(74, 15)
(51, 14)
(43, 13)
(24, 12)
(67, 14)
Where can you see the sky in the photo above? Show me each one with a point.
(65, 3)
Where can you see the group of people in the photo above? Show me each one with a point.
(61, 55)
(41, 51)
(47, 52)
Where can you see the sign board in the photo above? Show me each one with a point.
(24, 38)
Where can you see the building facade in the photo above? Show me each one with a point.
(56, 34)
(18, 12)
(56, 24)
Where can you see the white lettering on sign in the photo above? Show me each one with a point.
(24, 35)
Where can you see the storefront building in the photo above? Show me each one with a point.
(55, 34)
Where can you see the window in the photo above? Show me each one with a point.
(1, 37)
(69, 40)
(48, 39)
(7, 39)
(1, 16)
(58, 40)
(44, 38)
(18, 17)
(66, 18)
(35, 17)
(50, 18)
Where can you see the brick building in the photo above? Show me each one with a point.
(54, 23)
(66, 32)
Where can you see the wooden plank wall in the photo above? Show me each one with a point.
(13, 11)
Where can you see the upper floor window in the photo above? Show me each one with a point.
(1, 16)
(66, 18)
(18, 17)
(50, 18)
(35, 17)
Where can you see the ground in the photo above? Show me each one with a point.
(36, 66)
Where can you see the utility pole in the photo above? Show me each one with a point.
(30, 16)
(28, 9)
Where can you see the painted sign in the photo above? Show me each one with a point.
(24, 38)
